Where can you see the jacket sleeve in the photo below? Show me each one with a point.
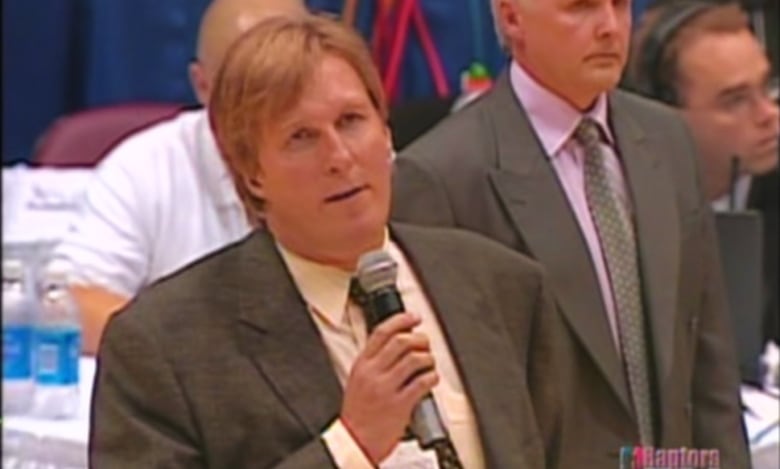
(140, 415)
(549, 372)
(716, 412)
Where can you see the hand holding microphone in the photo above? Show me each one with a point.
(390, 376)
(384, 309)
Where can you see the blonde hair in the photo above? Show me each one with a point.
(263, 76)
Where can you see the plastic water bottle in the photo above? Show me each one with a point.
(57, 342)
(18, 309)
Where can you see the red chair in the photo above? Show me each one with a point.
(84, 138)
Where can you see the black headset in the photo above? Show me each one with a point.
(649, 79)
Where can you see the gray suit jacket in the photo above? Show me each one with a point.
(483, 169)
(222, 366)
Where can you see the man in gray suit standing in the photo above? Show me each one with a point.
(258, 356)
(602, 188)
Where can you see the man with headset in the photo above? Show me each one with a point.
(703, 58)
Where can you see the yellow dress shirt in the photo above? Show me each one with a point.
(342, 326)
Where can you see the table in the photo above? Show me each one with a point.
(34, 443)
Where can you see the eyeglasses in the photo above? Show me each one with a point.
(746, 102)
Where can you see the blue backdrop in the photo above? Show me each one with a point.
(60, 56)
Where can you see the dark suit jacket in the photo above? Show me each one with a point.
(483, 169)
(764, 198)
(222, 366)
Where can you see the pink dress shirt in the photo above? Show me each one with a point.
(554, 121)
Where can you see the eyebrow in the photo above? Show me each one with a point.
(743, 87)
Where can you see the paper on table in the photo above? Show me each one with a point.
(761, 417)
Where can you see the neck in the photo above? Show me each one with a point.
(340, 255)
(717, 181)
(581, 101)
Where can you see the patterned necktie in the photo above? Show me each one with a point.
(618, 243)
(444, 449)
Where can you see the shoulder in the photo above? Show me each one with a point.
(155, 163)
(462, 249)
(190, 294)
(666, 137)
(168, 143)
(660, 123)
(662, 126)
(460, 132)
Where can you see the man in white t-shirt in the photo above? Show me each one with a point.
(163, 197)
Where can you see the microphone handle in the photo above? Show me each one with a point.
(733, 176)
(383, 303)
(426, 422)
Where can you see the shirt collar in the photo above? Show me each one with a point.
(323, 287)
(741, 192)
(553, 119)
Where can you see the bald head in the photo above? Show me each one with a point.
(222, 24)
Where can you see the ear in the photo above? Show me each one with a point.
(255, 185)
(389, 135)
(510, 21)
(389, 142)
(200, 82)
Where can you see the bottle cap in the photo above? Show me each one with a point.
(56, 271)
(13, 269)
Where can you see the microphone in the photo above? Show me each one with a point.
(377, 273)
(733, 176)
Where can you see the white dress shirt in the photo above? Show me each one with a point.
(160, 200)
(741, 193)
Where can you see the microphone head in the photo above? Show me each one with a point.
(376, 270)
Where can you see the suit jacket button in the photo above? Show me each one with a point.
(694, 324)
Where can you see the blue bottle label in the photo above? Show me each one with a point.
(57, 356)
(17, 347)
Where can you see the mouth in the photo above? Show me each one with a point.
(341, 196)
(769, 143)
(604, 56)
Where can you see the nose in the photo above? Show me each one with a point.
(340, 156)
(768, 112)
(608, 23)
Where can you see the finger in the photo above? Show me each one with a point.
(402, 322)
(422, 384)
(398, 346)
(408, 367)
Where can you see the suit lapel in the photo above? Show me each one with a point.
(657, 228)
(476, 339)
(278, 334)
(528, 188)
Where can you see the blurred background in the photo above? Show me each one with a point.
(62, 56)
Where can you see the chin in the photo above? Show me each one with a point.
(764, 165)
(367, 227)
(604, 79)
